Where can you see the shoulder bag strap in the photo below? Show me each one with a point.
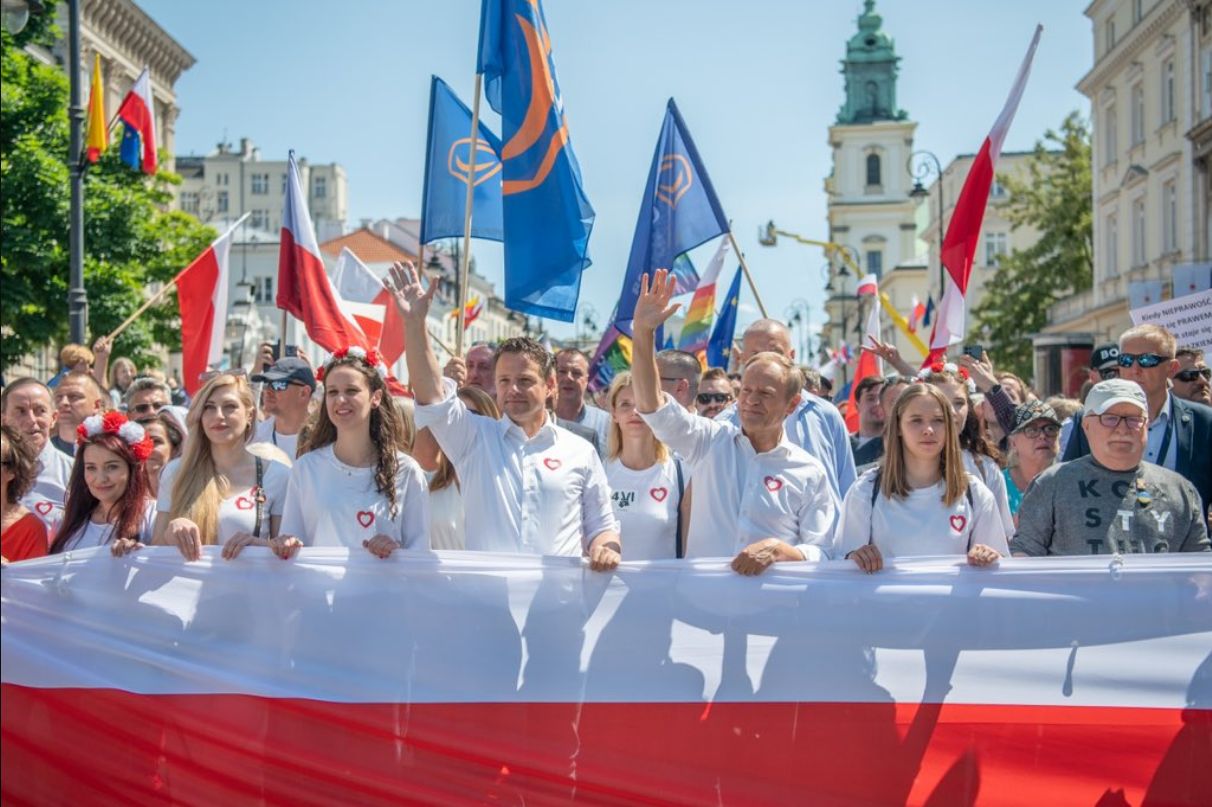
(679, 550)
(875, 494)
(259, 497)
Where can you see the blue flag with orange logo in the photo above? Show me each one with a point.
(719, 349)
(679, 211)
(547, 217)
(448, 169)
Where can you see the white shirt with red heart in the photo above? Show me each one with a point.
(741, 496)
(920, 524)
(329, 503)
(238, 512)
(645, 503)
(48, 511)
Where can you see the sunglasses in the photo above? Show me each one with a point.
(153, 407)
(282, 386)
(1145, 360)
(713, 397)
(1134, 422)
(1187, 376)
(1108, 373)
(1049, 430)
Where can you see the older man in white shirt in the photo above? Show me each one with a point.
(529, 486)
(761, 498)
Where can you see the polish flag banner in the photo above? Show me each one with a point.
(964, 232)
(137, 114)
(917, 311)
(361, 294)
(202, 301)
(472, 678)
(870, 284)
(869, 364)
(304, 288)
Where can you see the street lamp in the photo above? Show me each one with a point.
(928, 167)
(14, 14)
(799, 313)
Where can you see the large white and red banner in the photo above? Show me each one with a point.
(460, 678)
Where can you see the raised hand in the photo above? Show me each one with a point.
(652, 308)
(102, 348)
(888, 352)
(412, 299)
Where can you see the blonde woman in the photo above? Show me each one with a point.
(218, 492)
(446, 530)
(921, 500)
(647, 484)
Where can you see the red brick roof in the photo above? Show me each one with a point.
(369, 247)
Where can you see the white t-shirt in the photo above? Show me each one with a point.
(919, 524)
(93, 535)
(329, 503)
(266, 433)
(645, 504)
(990, 473)
(446, 530)
(48, 511)
(238, 512)
(54, 473)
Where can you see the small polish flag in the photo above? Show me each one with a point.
(917, 311)
(202, 301)
(868, 285)
(137, 112)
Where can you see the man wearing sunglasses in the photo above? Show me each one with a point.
(1178, 432)
(146, 396)
(715, 393)
(289, 384)
(1193, 381)
(1112, 500)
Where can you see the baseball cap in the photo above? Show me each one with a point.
(288, 368)
(1031, 411)
(1106, 394)
(1105, 356)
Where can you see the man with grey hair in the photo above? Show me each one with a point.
(147, 396)
(680, 373)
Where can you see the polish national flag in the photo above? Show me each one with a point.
(304, 289)
(137, 112)
(917, 311)
(870, 284)
(361, 294)
(202, 299)
(964, 232)
(869, 364)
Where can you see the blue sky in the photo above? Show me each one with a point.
(757, 82)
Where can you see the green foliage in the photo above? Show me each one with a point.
(1055, 200)
(131, 238)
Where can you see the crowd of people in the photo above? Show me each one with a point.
(508, 450)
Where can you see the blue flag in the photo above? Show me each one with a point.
(679, 210)
(448, 169)
(719, 349)
(684, 274)
(547, 217)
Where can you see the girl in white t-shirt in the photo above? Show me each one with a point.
(646, 482)
(107, 496)
(217, 491)
(352, 484)
(920, 500)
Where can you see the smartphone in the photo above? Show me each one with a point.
(975, 351)
(291, 350)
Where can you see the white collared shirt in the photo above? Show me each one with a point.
(1157, 434)
(542, 495)
(742, 496)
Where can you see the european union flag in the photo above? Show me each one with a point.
(679, 210)
(448, 171)
(547, 217)
(719, 349)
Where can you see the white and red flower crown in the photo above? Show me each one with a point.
(370, 358)
(947, 368)
(116, 423)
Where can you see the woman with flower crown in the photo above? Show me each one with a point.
(107, 495)
(217, 491)
(353, 484)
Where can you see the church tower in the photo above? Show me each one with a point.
(870, 211)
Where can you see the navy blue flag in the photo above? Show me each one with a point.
(448, 170)
(719, 349)
(547, 217)
(679, 211)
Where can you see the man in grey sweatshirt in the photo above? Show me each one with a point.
(1111, 500)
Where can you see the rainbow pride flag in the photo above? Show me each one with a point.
(696, 330)
(612, 357)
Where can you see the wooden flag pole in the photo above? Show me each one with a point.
(461, 329)
(752, 286)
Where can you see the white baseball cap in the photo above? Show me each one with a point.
(1106, 394)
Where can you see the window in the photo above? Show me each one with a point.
(997, 190)
(190, 202)
(1169, 218)
(221, 201)
(319, 187)
(260, 184)
(1167, 91)
(1138, 10)
(1138, 232)
(1110, 138)
(873, 170)
(1109, 34)
(1138, 115)
(259, 219)
(1111, 246)
(285, 177)
(220, 179)
(995, 248)
(263, 289)
(875, 262)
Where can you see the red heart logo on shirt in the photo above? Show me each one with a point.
(958, 523)
(773, 483)
(659, 493)
(44, 508)
(366, 518)
(552, 463)
(244, 503)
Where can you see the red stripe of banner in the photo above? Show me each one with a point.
(81, 746)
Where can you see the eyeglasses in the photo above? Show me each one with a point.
(152, 408)
(1108, 373)
(281, 386)
(1145, 360)
(714, 397)
(1187, 376)
(1134, 422)
(1049, 430)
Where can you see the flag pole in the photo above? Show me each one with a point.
(752, 286)
(460, 332)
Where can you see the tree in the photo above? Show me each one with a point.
(131, 237)
(1056, 199)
